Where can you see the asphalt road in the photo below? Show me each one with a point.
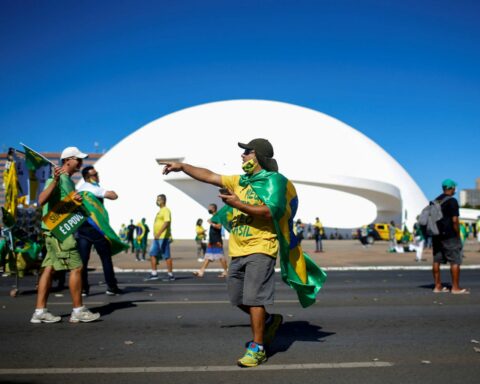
(367, 327)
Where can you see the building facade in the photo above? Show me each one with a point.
(471, 197)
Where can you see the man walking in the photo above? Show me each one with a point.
(88, 236)
(318, 234)
(214, 247)
(447, 246)
(141, 239)
(61, 255)
(162, 237)
(392, 237)
(253, 243)
(130, 235)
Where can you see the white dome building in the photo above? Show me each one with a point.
(341, 176)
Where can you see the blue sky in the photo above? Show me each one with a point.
(405, 73)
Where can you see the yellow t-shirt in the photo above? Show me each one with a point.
(162, 216)
(249, 234)
(319, 225)
(200, 232)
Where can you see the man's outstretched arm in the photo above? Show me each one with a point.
(200, 174)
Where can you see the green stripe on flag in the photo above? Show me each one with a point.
(34, 160)
(100, 221)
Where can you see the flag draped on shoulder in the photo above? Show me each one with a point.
(279, 195)
(100, 221)
(139, 242)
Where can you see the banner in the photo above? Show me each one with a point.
(65, 217)
(10, 181)
(22, 173)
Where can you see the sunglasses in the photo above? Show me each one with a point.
(248, 151)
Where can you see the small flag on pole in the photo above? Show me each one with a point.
(34, 159)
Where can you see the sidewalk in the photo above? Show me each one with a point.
(339, 254)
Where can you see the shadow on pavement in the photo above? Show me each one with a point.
(431, 286)
(292, 331)
(109, 308)
(245, 325)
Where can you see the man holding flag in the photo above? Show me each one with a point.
(61, 254)
(259, 211)
(89, 234)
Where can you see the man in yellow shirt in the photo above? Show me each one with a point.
(253, 244)
(318, 234)
(162, 236)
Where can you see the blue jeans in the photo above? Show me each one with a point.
(87, 236)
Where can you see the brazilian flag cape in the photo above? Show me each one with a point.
(141, 240)
(279, 195)
(98, 218)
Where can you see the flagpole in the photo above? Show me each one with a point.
(39, 154)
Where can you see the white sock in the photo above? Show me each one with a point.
(40, 311)
(154, 273)
(170, 273)
(78, 309)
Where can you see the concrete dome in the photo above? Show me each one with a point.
(341, 176)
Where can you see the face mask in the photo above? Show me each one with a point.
(210, 211)
(249, 166)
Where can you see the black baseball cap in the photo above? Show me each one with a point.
(264, 153)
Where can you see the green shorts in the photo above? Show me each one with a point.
(61, 255)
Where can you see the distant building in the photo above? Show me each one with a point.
(52, 156)
(339, 174)
(470, 197)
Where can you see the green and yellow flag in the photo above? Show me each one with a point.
(34, 160)
(140, 240)
(279, 195)
(100, 221)
(30, 248)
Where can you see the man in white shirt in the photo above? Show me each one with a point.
(87, 236)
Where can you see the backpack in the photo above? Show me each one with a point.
(430, 216)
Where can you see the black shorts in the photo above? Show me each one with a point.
(447, 250)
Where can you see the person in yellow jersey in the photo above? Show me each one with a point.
(318, 234)
(162, 236)
(200, 236)
(253, 243)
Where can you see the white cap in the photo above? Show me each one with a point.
(72, 152)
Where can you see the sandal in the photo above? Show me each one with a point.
(197, 274)
(443, 290)
(223, 275)
(461, 292)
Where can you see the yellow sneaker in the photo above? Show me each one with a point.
(253, 356)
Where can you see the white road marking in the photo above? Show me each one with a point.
(427, 267)
(195, 302)
(213, 368)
